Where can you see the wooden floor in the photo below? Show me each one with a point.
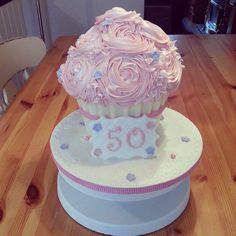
(28, 200)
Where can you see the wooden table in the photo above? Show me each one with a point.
(207, 95)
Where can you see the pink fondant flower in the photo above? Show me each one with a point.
(87, 137)
(150, 125)
(172, 156)
(97, 152)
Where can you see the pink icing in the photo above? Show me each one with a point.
(115, 145)
(150, 125)
(135, 132)
(121, 60)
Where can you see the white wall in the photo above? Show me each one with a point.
(29, 8)
(72, 17)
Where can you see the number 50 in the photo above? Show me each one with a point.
(135, 138)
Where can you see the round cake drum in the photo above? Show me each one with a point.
(126, 197)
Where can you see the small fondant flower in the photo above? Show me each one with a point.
(150, 150)
(172, 156)
(185, 139)
(98, 75)
(97, 152)
(59, 74)
(162, 117)
(97, 127)
(87, 137)
(130, 177)
(150, 125)
(155, 56)
(64, 146)
(82, 123)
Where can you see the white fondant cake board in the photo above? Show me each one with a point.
(175, 158)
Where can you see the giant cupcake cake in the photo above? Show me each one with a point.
(123, 159)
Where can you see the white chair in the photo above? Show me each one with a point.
(17, 55)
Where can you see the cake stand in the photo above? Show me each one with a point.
(130, 197)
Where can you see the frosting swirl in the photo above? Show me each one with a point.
(121, 60)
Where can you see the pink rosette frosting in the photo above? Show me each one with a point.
(121, 60)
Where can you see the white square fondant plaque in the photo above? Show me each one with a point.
(123, 137)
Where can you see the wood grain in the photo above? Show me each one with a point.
(207, 95)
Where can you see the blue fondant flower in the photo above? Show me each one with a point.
(130, 177)
(59, 73)
(98, 152)
(150, 150)
(64, 146)
(185, 139)
(155, 56)
(97, 127)
(98, 75)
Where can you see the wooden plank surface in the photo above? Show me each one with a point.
(207, 95)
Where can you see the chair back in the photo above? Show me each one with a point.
(17, 55)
